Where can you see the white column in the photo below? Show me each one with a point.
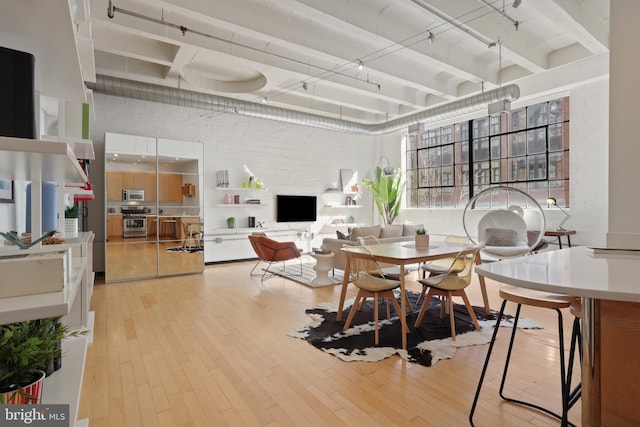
(624, 139)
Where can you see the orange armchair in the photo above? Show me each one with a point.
(270, 251)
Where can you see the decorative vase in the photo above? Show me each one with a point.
(30, 394)
(231, 222)
(422, 241)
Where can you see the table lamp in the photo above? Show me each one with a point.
(551, 201)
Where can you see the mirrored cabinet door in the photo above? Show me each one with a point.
(154, 206)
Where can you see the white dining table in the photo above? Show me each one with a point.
(607, 282)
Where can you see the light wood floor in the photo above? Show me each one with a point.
(212, 349)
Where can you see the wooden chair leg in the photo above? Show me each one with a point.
(467, 304)
(375, 315)
(423, 310)
(352, 312)
(452, 318)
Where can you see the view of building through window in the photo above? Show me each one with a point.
(527, 148)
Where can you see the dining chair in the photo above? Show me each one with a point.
(441, 266)
(191, 235)
(451, 284)
(390, 271)
(370, 280)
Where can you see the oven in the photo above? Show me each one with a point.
(134, 221)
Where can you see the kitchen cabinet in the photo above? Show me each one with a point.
(150, 186)
(133, 180)
(170, 187)
(114, 186)
(114, 225)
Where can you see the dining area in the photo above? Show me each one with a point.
(594, 289)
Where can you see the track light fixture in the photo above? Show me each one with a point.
(264, 100)
(360, 65)
(431, 37)
(516, 4)
(304, 85)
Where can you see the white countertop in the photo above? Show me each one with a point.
(572, 271)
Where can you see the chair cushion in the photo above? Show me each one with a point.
(375, 284)
(501, 237)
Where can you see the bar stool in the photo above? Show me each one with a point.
(168, 227)
(533, 298)
(153, 228)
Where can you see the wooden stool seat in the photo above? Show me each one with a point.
(535, 298)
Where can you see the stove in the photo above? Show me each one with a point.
(134, 220)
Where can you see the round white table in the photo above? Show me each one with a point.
(324, 263)
(608, 284)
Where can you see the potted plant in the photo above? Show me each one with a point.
(71, 214)
(26, 348)
(422, 238)
(387, 193)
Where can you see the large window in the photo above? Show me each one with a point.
(526, 148)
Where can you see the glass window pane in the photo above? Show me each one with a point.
(518, 168)
(537, 166)
(447, 135)
(556, 165)
(495, 147)
(537, 115)
(495, 171)
(447, 175)
(519, 119)
(423, 158)
(480, 127)
(536, 141)
(447, 155)
(481, 149)
(555, 111)
(518, 145)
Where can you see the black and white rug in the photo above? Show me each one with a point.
(188, 249)
(425, 345)
(291, 271)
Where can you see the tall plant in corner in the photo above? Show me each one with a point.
(387, 193)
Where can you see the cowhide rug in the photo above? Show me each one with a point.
(425, 345)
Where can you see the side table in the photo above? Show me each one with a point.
(324, 263)
(559, 234)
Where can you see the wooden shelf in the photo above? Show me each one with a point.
(240, 189)
(22, 159)
(64, 385)
(240, 205)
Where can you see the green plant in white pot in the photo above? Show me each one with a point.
(26, 348)
(71, 215)
(387, 193)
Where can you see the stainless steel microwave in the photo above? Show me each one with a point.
(133, 195)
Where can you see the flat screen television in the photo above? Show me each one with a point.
(296, 208)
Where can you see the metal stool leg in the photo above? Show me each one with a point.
(568, 398)
(486, 362)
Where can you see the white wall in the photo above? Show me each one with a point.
(288, 159)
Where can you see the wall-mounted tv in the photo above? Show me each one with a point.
(296, 208)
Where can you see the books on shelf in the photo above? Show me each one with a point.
(253, 201)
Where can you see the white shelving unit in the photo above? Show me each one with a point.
(241, 205)
(63, 386)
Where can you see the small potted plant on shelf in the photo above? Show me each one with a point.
(71, 215)
(422, 238)
(26, 350)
